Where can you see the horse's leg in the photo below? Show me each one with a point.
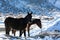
(29, 31)
(7, 30)
(24, 32)
(20, 33)
(13, 31)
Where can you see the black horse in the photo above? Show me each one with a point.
(34, 21)
(17, 23)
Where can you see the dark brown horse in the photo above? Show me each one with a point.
(34, 21)
(17, 23)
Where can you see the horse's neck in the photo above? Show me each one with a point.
(26, 19)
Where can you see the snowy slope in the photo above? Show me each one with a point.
(55, 27)
(37, 6)
(47, 9)
(56, 3)
(34, 33)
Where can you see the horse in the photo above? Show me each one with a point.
(34, 21)
(17, 24)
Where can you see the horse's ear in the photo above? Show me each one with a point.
(29, 12)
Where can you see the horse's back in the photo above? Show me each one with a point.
(10, 19)
(36, 20)
(15, 23)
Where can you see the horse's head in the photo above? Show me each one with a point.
(29, 17)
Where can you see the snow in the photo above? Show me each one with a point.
(47, 8)
(35, 31)
(56, 3)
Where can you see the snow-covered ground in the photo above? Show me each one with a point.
(50, 17)
(47, 25)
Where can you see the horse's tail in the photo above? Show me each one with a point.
(6, 22)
